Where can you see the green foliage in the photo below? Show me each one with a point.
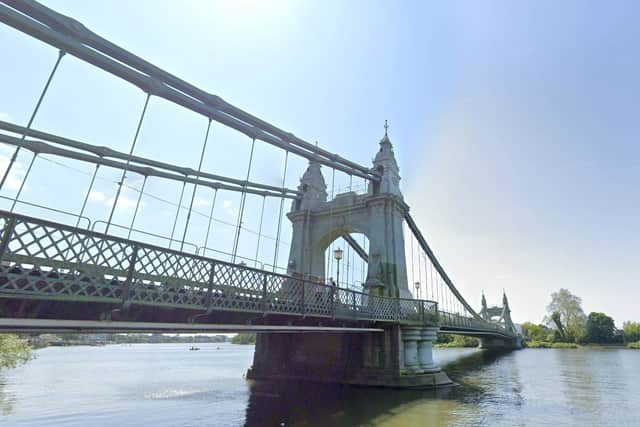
(547, 344)
(564, 345)
(444, 339)
(13, 351)
(450, 341)
(600, 329)
(634, 345)
(561, 333)
(565, 313)
(557, 336)
(244, 339)
(535, 332)
(631, 331)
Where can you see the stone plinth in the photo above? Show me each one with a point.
(425, 350)
(393, 358)
(410, 337)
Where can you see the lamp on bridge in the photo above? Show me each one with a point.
(337, 254)
(417, 285)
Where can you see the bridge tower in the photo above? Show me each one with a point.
(399, 356)
(378, 214)
(499, 314)
(484, 311)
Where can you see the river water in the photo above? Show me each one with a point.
(167, 385)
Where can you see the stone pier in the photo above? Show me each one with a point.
(501, 344)
(398, 357)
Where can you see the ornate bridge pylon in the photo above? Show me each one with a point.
(378, 214)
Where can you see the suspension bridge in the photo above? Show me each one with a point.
(64, 271)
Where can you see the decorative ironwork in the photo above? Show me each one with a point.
(46, 260)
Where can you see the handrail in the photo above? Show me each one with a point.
(375, 308)
(456, 319)
(205, 249)
(138, 231)
(49, 209)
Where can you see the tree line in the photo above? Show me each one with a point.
(567, 323)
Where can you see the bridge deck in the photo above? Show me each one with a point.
(54, 271)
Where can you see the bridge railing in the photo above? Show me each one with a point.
(46, 260)
(459, 321)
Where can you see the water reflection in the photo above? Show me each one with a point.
(308, 404)
(321, 405)
(575, 379)
(7, 399)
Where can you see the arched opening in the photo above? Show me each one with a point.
(350, 271)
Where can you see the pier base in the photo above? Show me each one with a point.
(501, 344)
(398, 357)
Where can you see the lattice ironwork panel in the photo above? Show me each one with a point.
(35, 282)
(160, 294)
(231, 276)
(45, 242)
(102, 252)
(362, 305)
(409, 310)
(382, 308)
(284, 294)
(318, 299)
(430, 309)
(345, 304)
(153, 262)
(230, 299)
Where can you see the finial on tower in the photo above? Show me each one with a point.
(386, 166)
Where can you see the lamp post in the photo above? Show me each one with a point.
(417, 285)
(337, 254)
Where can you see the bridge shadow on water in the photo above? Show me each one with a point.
(314, 404)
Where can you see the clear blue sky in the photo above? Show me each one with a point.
(515, 123)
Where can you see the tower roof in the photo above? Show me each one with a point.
(385, 164)
(386, 148)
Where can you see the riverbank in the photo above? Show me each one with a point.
(456, 345)
(244, 339)
(560, 345)
(456, 341)
(545, 344)
(96, 340)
